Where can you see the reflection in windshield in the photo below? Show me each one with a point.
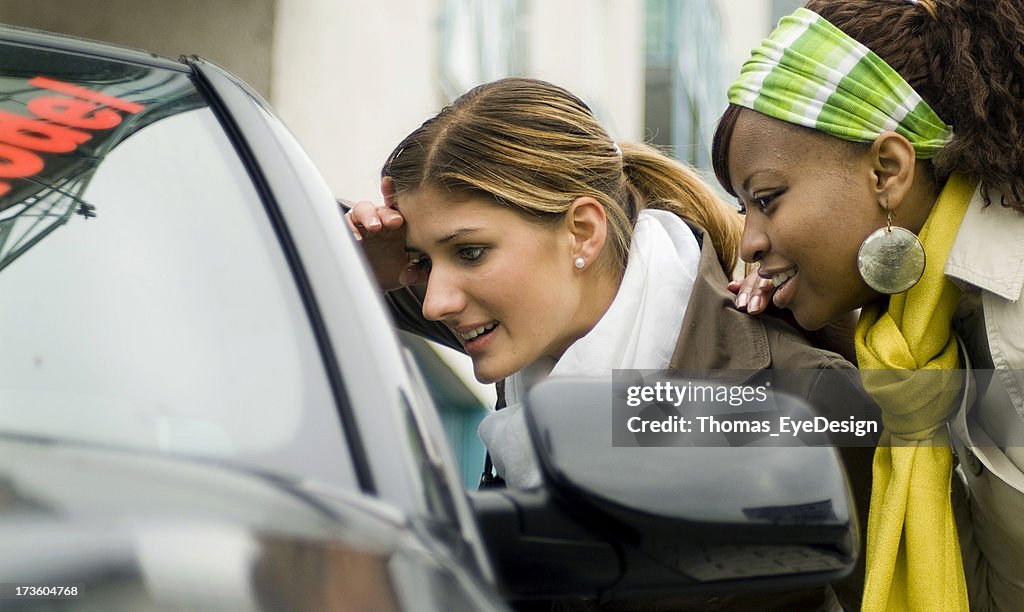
(167, 319)
(56, 132)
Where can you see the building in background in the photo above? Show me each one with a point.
(352, 78)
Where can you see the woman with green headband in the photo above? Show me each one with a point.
(877, 150)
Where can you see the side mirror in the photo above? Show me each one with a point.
(669, 520)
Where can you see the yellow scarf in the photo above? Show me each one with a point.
(909, 360)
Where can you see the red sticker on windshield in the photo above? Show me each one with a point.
(60, 124)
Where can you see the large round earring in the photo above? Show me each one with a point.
(891, 260)
(579, 262)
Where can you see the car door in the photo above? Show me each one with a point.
(172, 283)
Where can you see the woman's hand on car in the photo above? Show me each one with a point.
(381, 232)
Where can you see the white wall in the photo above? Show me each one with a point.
(744, 25)
(351, 79)
(594, 48)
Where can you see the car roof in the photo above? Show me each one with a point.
(10, 34)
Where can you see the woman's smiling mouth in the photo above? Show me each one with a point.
(477, 331)
(779, 279)
(783, 288)
(476, 338)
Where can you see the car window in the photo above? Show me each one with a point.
(460, 403)
(145, 299)
(394, 427)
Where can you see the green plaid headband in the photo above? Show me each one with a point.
(810, 73)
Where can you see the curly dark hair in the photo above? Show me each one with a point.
(965, 58)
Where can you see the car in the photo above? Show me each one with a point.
(205, 403)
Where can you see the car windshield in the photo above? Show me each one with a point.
(145, 299)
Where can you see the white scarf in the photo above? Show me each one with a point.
(639, 331)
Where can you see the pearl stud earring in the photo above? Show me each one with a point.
(580, 262)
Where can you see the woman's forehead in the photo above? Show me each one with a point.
(759, 141)
(754, 128)
(433, 211)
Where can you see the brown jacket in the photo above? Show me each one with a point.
(722, 341)
(715, 336)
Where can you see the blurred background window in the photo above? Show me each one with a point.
(684, 91)
(479, 43)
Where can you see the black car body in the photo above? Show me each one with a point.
(204, 403)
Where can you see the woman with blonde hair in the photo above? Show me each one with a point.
(548, 249)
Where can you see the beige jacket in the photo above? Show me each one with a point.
(987, 261)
